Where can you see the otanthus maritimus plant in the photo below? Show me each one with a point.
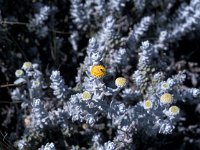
(101, 74)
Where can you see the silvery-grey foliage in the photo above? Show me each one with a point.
(79, 14)
(37, 23)
(48, 146)
(58, 85)
(41, 16)
(142, 27)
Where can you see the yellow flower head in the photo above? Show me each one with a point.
(98, 71)
(120, 82)
(147, 104)
(86, 96)
(174, 110)
(19, 73)
(27, 65)
(166, 98)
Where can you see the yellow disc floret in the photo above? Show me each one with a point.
(98, 71)
(174, 110)
(166, 98)
(86, 96)
(120, 82)
(147, 104)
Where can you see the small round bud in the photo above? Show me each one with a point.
(165, 86)
(173, 110)
(98, 71)
(147, 104)
(166, 98)
(27, 66)
(86, 96)
(120, 82)
(35, 84)
(19, 73)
